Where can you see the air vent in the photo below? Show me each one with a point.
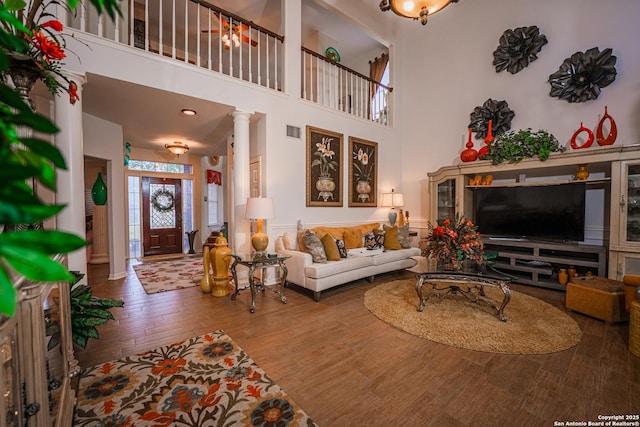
(293, 131)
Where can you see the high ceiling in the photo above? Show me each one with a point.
(151, 117)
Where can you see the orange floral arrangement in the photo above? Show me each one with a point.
(452, 242)
(44, 49)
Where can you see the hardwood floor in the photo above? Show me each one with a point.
(345, 367)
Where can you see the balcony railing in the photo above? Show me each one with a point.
(194, 32)
(340, 88)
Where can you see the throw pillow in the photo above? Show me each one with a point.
(403, 235)
(314, 247)
(341, 248)
(353, 238)
(330, 247)
(370, 240)
(391, 241)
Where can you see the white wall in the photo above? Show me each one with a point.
(103, 140)
(444, 70)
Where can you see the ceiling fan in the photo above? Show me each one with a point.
(231, 34)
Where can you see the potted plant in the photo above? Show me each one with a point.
(514, 146)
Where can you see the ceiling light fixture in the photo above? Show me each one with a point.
(177, 147)
(415, 9)
(188, 112)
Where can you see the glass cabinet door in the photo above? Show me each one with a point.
(446, 200)
(631, 224)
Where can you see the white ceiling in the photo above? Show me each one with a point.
(151, 117)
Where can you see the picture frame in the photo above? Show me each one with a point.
(324, 167)
(363, 173)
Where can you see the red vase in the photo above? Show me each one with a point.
(613, 130)
(587, 143)
(469, 155)
(484, 150)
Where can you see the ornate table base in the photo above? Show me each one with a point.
(470, 286)
(254, 263)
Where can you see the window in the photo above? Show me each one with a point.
(135, 215)
(143, 165)
(212, 204)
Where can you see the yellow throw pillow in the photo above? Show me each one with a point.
(330, 247)
(352, 238)
(391, 240)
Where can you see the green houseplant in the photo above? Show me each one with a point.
(28, 32)
(87, 312)
(514, 146)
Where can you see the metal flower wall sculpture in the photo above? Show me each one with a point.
(581, 77)
(518, 48)
(497, 111)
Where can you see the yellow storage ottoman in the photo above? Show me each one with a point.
(597, 297)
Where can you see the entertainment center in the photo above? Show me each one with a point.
(592, 224)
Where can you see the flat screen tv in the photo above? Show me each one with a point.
(536, 212)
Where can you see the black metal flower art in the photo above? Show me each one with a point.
(497, 111)
(518, 47)
(581, 77)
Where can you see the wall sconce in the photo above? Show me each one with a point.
(415, 9)
(177, 148)
(392, 200)
(259, 208)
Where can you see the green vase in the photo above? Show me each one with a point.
(99, 191)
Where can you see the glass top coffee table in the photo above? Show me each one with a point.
(468, 283)
(255, 262)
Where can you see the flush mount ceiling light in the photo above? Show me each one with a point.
(177, 147)
(188, 112)
(415, 9)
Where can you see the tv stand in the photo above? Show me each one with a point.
(537, 263)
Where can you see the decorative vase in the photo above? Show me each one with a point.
(613, 130)
(325, 187)
(571, 271)
(191, 235)
(401, 219)
(206, 283)
(363, 188)
(563, 277)
(587, 143)
(99, 191)
(469, 155)
(582, 173)
(220, 261)
(484, 150)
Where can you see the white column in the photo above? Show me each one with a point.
(70, 183)
(241, 241)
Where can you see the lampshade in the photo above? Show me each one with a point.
(392, 200)
(415, 9)
(259, 208)
(177, 147)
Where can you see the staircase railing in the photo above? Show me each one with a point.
(195, 32)
(335, 86)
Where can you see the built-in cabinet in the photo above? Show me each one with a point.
(36, 381)
(615, 177)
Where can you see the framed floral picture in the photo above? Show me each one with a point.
(324, 167)
(363, 173)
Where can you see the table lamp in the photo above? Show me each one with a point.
(259, 208)
(392, 200)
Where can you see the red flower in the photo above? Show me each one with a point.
(49, 48)
(53, 24)
(168, 366)
(106, 368)
(253, 391)
(73, 93)
(446, 222)
(438, 231)
(164, 419)
(211, 398)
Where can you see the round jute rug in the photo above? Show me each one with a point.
(533, 326)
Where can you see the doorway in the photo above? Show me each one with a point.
(161, 215)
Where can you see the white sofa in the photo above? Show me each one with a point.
(358, 264)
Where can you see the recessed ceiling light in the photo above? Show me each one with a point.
(188, 112)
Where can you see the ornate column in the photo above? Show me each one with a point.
(70, 183)
(241, 241)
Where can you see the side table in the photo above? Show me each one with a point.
(255, 262)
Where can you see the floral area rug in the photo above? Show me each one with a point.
(203, 381)
(169, 275)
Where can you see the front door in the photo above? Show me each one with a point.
(161, 216)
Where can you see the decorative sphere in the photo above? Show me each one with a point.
(638, 293)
